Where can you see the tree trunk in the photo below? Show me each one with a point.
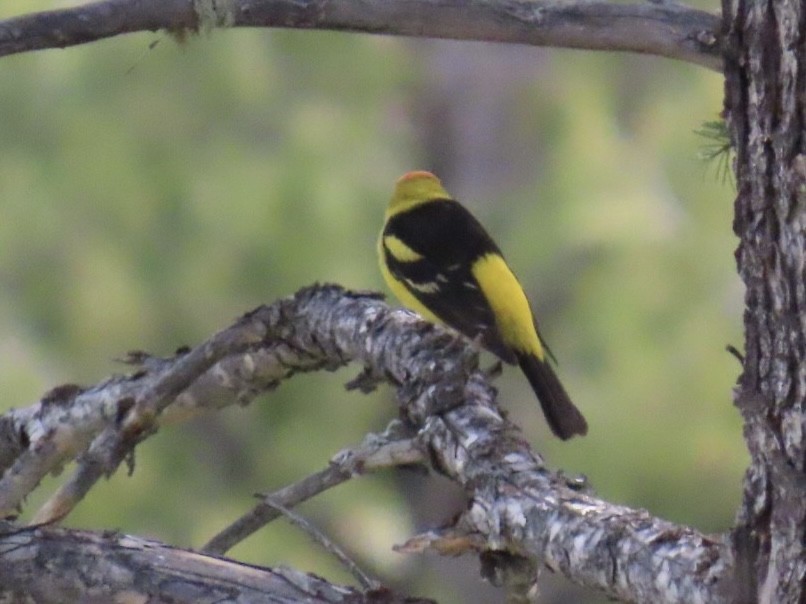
(766, 105)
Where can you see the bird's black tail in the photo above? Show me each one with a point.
(564, 419)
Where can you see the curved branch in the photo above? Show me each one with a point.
(663, 29)
(518, 507)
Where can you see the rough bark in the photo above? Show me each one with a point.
(53, 566)
(664, 29)
(766, 105)
(521, 515)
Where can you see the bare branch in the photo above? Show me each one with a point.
(327, 544)
(117, 441)
(376, 452)
(517, 505)
(658, 28)
(50, 565)
(128, 420)
(41, 438)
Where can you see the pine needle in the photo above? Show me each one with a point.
(717, 149)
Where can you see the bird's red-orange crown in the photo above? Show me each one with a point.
(414, 188)
(417, 175)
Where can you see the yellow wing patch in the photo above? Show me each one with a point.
(399, 288)
(513, 316)
(401, 251)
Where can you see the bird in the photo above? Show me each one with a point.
(440, 262)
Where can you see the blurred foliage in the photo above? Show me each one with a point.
(153, 192)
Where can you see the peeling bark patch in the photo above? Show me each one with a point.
(61, 395)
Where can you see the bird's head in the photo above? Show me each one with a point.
(414, 188)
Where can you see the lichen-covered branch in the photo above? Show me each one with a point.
(658, 28)
(519, 508)
(114, 419)
(50, 565)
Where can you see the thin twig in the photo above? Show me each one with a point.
(376, 452)
(328, 545)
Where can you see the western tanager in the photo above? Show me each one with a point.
(440, 262)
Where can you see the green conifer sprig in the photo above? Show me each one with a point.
(717, 150)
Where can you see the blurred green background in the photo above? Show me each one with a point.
(150, 195)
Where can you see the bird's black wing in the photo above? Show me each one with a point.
(449, 239)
